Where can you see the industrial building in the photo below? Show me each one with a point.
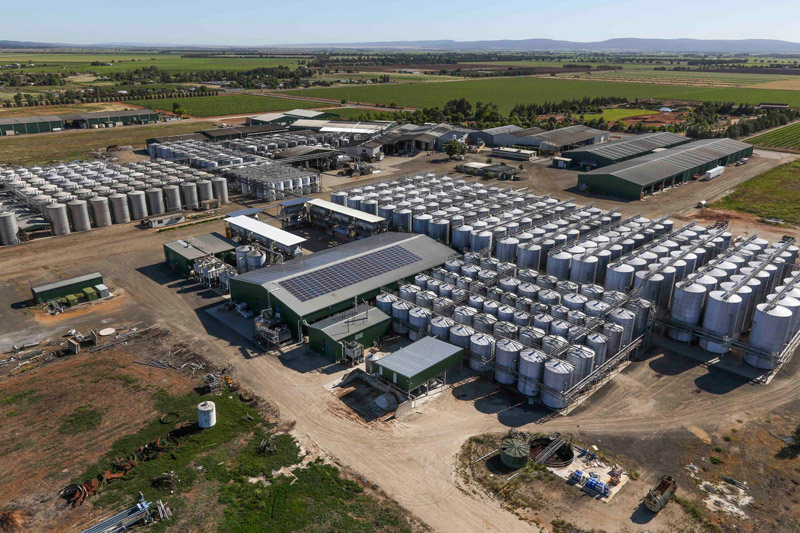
(487, 170)
(419, 363)
(181, 255)
(271, 181)
(65, 287)
(569, 138)
(41, 124)
(287, 118)
(612, 152)
(307, 289)
(517, 154)
(345, 221)
(363, 324)
(636, 178)
(510, 135)
(248, 230)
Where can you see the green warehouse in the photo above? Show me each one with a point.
(60, 289)
(418, 363)
(307, 289)
(364, 324)
(42, 124)
(651, 173)
(181, 255)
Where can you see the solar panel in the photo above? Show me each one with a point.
(326, 280)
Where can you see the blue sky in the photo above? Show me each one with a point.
(253, 22)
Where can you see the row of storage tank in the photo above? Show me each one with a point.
(272, 144)
(271, 181)
(199, 154)
(98, 195)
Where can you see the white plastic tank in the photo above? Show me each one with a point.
(206, 414)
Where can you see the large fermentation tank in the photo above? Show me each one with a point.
(59, 221)
(720, 318)
(531, 369)
(557, 378)
(481, 348)
(582, 360)
(189, 193)
(384, 302)
(79, 214)
(172, 195)
(400, 312)
(687, 308)
(119, 208)
(506, 354)
(220, 189)
(9, 228)
(419, 321)
(155, 201)
(767, 335)
(138, 205)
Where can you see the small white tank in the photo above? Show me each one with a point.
(206, 415)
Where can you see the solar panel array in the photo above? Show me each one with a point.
(331, 278)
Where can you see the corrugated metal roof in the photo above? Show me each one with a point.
(352, 321)
(418, 357)
(569, 135)
(429, 252)
(246, 212)
(528, 132)
(631, 147)
(305, 113)
(201, 245)
(510, 128)
(67, 282)
(654, 167)
(76, 116)
(347, 211)
(265, 230)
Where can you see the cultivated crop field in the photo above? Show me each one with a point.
(53, 62)
(613, 115)
(786, 137)
(214, 106)
(773, 194)
(506, 92)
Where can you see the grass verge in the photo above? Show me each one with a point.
(775, 193)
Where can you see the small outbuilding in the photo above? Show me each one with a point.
(64, 287)
(182, 254)
(363, 324)
(418, 363)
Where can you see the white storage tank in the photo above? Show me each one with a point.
(460, 335)
(206, 415)
(720, 318)
(767, 335)
(79, 214)
(119, 208)
(59, 221)
(138, 205)
(582, 360)
(440, 327)
(419, 320)
(384, 302)
(400, 311)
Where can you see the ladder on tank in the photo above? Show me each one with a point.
(548, 452)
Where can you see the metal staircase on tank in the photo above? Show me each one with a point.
(548, 452)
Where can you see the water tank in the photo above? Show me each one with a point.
(720, 318)
(79, 214)
(419, 320)
(59, 221)
(119, 208)
(8, 228)
(384, 302)
(155, 201)
(206, 415)
(189, 193)
(557, 378)
(582, 360)
(400, 311)
(506, 353)
(440, 327)
(172, 195)
(767, 335)
(138, 205)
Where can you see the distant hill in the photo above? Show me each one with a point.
(706, 46)
(635, 45)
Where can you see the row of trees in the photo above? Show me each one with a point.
(707, 120)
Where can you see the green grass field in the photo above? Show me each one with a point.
(52, 62)
(214, 106)
(785, 137)
(775, 193)
(506, 92)
(613, 115)
(69, 145)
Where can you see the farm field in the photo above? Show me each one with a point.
(775, 193)
(70, 145)
(786, 137)
(613, 115)
(214, 106)
(395, 77)
(691, 78)
(130, 61)
(41, 110)
(506, 92)
(356, 112)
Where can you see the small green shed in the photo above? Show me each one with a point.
(418, 362)
(364, 324)
(181, 255)
(60, 289)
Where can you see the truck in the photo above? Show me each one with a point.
(659, 496)
(713, 173)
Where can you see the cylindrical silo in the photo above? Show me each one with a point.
(400, 311)
(531, 369)
(720, 318)
(138, 205)
(59, 221)
(481, 347)
(627, 320)
(79, 214)
(205, 190)
(220, 189)
(8, 228)
(506, 353)
(419, 320)
(384, 302)
(582, 360)
(119, 208)
(599, 345)
(767, 335)
(172, 195)
(155, 201)
(557, 378)
(619, 277)
(687, 305)
(460, 335)
(189, 193)
(440, 327)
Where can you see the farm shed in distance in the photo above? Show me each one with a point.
(417, 363)
(569, 138)
(310, 288)
(636, 178)
(364, 324)
(605, 154)
(59, 289)
(42, 124)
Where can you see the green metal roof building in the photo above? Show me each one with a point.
(41, 124)
(60, 289)
(364, 324)
(181, 254)
(637, 178)
(601, 155)
(309, 288)
(419, 362)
